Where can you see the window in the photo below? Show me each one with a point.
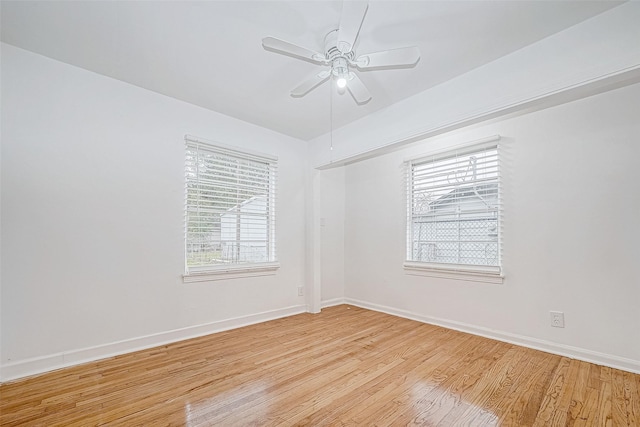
(229, 210)
(454, 211)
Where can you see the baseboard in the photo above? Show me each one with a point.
(332, 302)
(34, 366)
(38, 365)
(578, 353)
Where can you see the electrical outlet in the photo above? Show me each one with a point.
(300, 291)
(557, 319)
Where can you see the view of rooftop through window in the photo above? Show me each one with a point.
(454, 209)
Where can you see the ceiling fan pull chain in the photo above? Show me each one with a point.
(330, 123)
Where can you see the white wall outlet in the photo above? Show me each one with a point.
(557, 319)
(300, 291)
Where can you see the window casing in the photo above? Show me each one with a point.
(229, 210)
(454, 212)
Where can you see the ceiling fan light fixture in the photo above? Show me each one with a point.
(340, 69)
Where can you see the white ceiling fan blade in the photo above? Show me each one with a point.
(272, 43)
(389, 58)
(350, 22)
(310, 83)
(358, 90)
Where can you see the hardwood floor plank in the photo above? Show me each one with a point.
(619, 403)
(433, 407)
(349, 348)
(346, 366)
(604, 398)
(425, 377)
(561, 415)
(580, 411)
(522, 402)
(632, 390)
(496, 384)
(551, 403)
(380, 388)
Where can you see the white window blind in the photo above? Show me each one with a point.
(454, 209)
(230, 207)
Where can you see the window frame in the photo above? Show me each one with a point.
(468, 272)
(235, 269)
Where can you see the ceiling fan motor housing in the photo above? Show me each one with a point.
(338, 59)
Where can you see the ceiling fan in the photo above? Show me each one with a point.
(340, 56)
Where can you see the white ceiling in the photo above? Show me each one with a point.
(209, 53)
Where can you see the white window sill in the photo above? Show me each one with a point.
(457, 272)
(232, 272)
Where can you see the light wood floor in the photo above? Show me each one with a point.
(345, 366)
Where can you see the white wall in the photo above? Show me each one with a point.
(91, 265)
(0, 203)
(92, 218)
(571, 233)
(332, 206)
